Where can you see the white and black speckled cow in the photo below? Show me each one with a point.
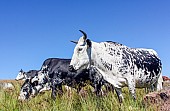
(119, 64)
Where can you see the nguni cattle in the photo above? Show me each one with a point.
(32, 85)
(119, 65)
(55, 70)
(28, 89)
(79, 80)
(31, 88)
(22, 75)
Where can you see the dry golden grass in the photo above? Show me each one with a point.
(71, 102)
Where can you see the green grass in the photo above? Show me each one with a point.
(72, 102)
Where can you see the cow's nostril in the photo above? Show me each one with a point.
(70, 68)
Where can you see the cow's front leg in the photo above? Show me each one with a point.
(119, 94)
(131, 86)
(34, 91)
(56, 89)
(53, 93)
(109, 87)
(98, 89)
(59, 89)
(56, 85)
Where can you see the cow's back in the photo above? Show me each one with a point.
(31, 73)
(52, 63)
(63, 64)
(56, 66)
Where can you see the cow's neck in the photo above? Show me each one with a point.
(105, 65)
(99, 57)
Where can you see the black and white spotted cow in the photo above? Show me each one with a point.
(78, 80)
(28, 89)
(31, 88)
(55, 70)
(119, 65)
(31, 74)
(22, 75)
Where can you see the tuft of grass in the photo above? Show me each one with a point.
(71, 101)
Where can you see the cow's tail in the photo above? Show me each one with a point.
(159, 83)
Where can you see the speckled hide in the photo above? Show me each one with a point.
(119, 65)
(127, 65)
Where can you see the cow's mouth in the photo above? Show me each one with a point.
(71, 68)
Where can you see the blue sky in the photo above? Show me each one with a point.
(34, 30)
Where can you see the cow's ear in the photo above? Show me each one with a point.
(88, 42)
(74, 41)
(21, 70)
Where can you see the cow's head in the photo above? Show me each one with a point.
(82, 54)
(21, 75)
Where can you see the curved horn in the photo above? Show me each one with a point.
(85, 35)
(74, 41)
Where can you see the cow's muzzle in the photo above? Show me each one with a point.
(71, 68)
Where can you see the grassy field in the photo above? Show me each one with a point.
(72, 102)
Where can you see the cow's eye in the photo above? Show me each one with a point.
(80, 49)
(24, 90)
